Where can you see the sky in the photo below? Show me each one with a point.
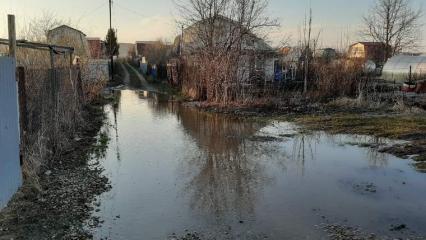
(338, 21)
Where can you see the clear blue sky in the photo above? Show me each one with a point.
(153, 19)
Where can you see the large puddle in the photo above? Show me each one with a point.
(174, 169)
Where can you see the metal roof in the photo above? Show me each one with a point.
(65, 26)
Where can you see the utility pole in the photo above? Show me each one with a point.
(110, 43)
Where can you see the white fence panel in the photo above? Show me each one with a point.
(97, 70)
(10, 170)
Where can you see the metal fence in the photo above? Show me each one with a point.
(10, 171)
(52, 107)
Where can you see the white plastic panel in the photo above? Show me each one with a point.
(398, 68)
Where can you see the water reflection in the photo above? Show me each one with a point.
(115, 109)
(174, 168)
(305, 144)
(226, 180)
(228, 172)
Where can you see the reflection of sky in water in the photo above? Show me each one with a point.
(173, 168)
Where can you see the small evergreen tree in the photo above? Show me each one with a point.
(111, 43)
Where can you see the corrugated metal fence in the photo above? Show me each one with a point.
(10, 171)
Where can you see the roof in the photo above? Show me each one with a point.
(93, 39)
(327, 49)
(260, 43)
(147, 42)
(369, 43)
(66, 26)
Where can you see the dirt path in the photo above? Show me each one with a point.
(134, 73)
(62, 204)
(126, 78)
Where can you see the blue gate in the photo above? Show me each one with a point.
(10, 170)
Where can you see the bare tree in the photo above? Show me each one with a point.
(217, 37)
(37, 28)
(308, 46)
(307, 38)
(158, 52)
(394, 23)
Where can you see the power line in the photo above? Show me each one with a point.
(130, 10)
(93, 11)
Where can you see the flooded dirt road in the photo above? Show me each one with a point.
(175, 170)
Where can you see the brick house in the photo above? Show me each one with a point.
(374, 51)
(96, 48)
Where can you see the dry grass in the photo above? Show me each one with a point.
(55, 108)
(356, 103)
(395, 126)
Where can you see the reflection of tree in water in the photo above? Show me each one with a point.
(304, 147)
(305, 144)
(227, 179)
(116, 109)
(159, 102)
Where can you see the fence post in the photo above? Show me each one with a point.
(23, 111)
(80, 86)
(12, 35)
(22, 99)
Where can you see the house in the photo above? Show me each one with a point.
(67, 36)
(127, 50)
(97, 48)
(142, 46)
(327, 54)
(257, 61)
(364, 51)
(289, 61)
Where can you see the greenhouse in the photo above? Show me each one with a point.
(398, 68)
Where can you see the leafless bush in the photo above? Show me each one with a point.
(217, 44)
(337, 79)
(158, 52)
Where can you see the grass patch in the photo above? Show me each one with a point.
(397, 127)
(421, 158)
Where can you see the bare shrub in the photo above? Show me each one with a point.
(336, 79)
(55, 99)
(218, 45)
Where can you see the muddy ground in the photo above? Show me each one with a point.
(68, 186)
